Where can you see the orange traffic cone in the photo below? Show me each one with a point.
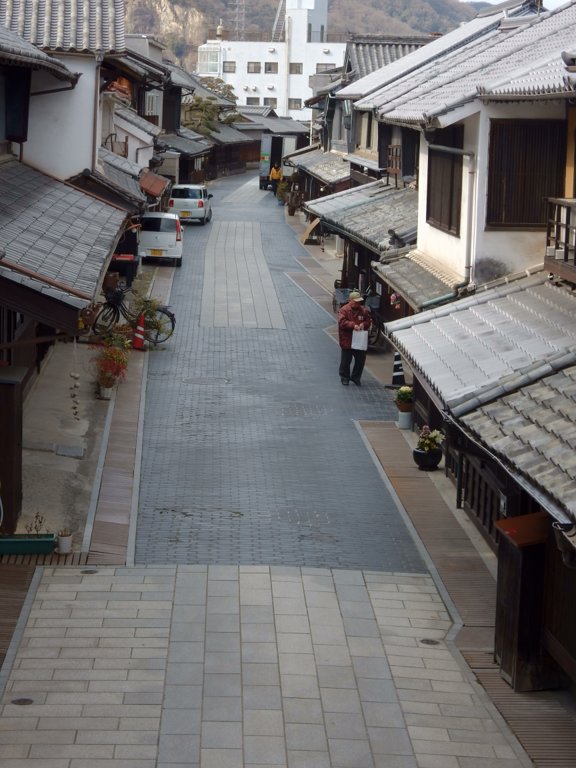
(138, 337)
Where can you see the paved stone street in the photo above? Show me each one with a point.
(280, 612)
(251, 453)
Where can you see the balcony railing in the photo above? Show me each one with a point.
(560, 256)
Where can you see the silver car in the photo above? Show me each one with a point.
(160, 237)
(192, 202)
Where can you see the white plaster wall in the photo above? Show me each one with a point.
(61, 133)
(515, 250)
(518, 250)
(140, 149)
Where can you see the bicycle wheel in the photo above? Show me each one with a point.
(105, 320)
(160, 326)
(374, 334)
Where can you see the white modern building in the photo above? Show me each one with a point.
(276, 73)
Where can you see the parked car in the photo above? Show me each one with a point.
(160, 237)
(191, 202)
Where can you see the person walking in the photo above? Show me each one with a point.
(353, 316)
(275, 177)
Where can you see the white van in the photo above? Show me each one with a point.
(191, 202)
(160, 237)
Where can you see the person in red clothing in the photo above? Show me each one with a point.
(352, 317)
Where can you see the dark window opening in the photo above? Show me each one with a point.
(444, 198)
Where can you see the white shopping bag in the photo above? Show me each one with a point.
(360, 340)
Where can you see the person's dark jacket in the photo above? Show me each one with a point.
(352, 314)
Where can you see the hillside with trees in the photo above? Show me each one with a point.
(183, 25)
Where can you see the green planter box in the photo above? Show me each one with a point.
(27, 544)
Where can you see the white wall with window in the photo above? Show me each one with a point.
(278, 72)
(470, 221)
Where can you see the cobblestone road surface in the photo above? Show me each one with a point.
(251, 452)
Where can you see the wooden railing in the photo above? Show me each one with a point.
(560, 258)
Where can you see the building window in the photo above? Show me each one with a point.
(253, 101)
(208, 60)
(270, 67)
(271, 103)
(526, 165)
(445, 181)
(369, 125)
(228, 66)
(324, 67)
(254, 67)
(296, 68)
(294, 103)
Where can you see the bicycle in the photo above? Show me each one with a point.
(159, 321)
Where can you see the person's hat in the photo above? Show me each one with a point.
(355, 296)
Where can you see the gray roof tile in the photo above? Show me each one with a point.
(504, 58)
(533, 431)
(131, 116)
(34, 233)
(327, 167)
(16, 51)
(369, 213)
(491, 343)
(67, 25)
(367, 53)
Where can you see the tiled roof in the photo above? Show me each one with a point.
(419, 279)
(17, 52)
(55, 230)
(131, 116)
(121, 172)
(226, 134)
(378, 79)
(327, 167)
(67, 25)
(369, 213)
(283, 125)
(525, 50)
(185, 145)
(533, 430)
(367, 53)
(490, 344)
(179, 76)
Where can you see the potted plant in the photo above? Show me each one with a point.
(64, 538)
(33, 542)
(404, 398)
(428, 451)
(111, 363)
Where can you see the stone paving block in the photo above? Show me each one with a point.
(265, 749)
(260, 674)
(262, 696)
(260, 722)
(308, 759)
(297, 664)
(302, 711)
(221, 735)
(340, 700)
(336, 676)
(183, 721)
(300, 686)
(350, 753)
(179, 748)
(345, 726)
(222, 708)
(306, 736)
(390, 741)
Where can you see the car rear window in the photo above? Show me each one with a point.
(187, 194)
(158, 225)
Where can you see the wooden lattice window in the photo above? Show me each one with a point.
(444, 198)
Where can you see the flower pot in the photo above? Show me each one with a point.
(404, 407)
(64, 544)
(427, 460)
(405, 419)
(105, 393)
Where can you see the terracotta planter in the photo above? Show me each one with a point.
(427, 460)
(404, 407)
